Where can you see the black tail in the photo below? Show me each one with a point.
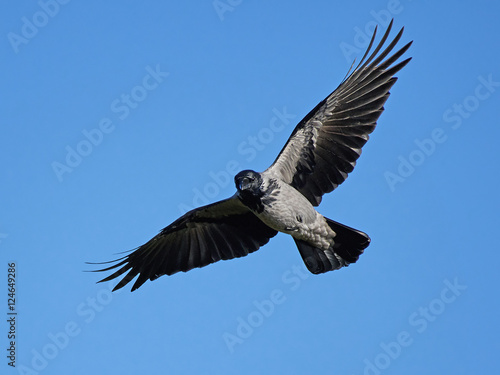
(349, 245)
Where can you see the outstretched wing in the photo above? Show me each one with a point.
(325, 145)
(222, 230)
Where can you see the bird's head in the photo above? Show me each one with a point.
(248, 181)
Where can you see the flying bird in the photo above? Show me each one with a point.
(318, 157)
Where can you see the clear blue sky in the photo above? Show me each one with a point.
(117, 117)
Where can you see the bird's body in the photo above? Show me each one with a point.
(284, 209)
(318, 156)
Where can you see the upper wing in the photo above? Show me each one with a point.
(325, 145)
(222, 230)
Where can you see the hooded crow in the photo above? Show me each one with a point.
(318, 156)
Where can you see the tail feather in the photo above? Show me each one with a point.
(348, 246)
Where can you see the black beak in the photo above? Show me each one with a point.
(243, 184)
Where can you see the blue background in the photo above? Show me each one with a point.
(423, 297)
